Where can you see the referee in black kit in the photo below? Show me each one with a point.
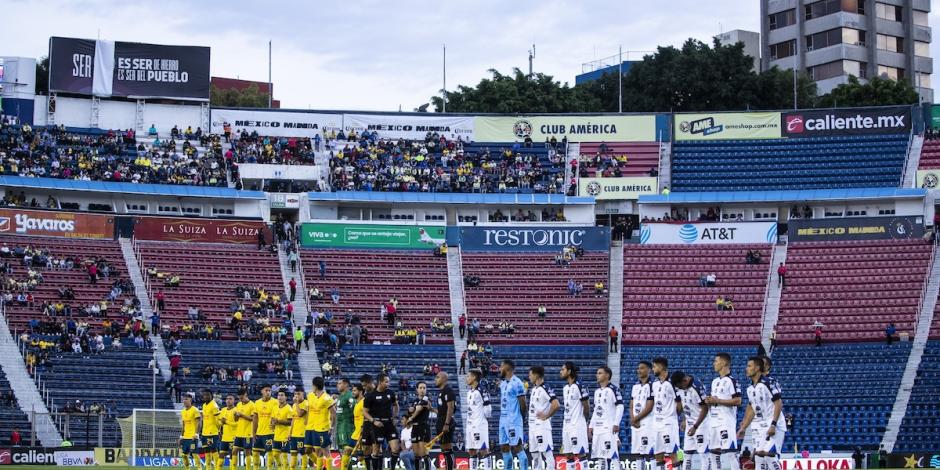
(381, 410)
(446, 403)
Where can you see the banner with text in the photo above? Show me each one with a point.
(75, 458)
(341, 235)
(198, 230)
(533, 238)
(856, 228)
(630, 187)
(811, 123)
(598, 128)
(721, 126)
(708, 233)
(401, 126)
(818, 463)
(56, 224)
(275, 123)
(115, 68)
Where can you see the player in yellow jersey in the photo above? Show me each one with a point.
(263, 432)
(210, 429)
(229, 424)
(282, 420)
(297, 432)
(244, 434)
(321, 413)
(357, 392)
(189, 439)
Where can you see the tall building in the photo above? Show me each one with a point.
(833, 39)
(751, 41)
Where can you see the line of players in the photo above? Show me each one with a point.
(364, 417)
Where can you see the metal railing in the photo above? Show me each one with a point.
(923, 288)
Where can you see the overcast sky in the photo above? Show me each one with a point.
(379, 55)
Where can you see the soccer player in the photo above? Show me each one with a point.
(479, 411)
(229, 424)
(321, 413)
(381, 409)
(446, 409)
(358, 392)
(692, 393)
(605, 422)
(420, 428)
(210, 429)
(723, 401)
(189, 440)
(665, 413)
(641, 406)
(774, 388)
(283, 420)
(542, 405)
(765, 411)
(244, 413)
(574, 442)
(511, 404)
(298, 431)
(344, 421)
(367, 437)
(262, 431)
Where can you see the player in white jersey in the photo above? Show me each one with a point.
(692, 393)
(574, 442)
(542, 405)
(665, 413)
(478, 429)
(641, 406)
(605, 422)
(723, 401)
(764, 412)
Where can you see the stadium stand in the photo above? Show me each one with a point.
(615, 159)
(498, 299)
(930, 155)
(205, 358)
(11, 417)
(855, 289)
(664, 299)
(252, 148)
(920, 430)
(794, 163)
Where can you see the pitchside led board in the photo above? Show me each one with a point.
(128, 69)
(344, 235)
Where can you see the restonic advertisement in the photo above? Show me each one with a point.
(198, 230)
(810, 123)
(533, 238)
(617, 188)
(720, 126)
(411, 237)
(856, 228)
(412, 127)
(708, 233)
(275, 123)
(598, 128)
(56, 224)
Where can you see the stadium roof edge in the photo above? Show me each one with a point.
(130, 188)
(795, 195)
(449, 198)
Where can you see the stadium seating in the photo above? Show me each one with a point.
(853, 288)
(641, 157)
(197, 354)
(570, 320)
(794, 163)
(663, 299)
(920, 430)
(11, 417)
(367, 279)
(930, 155)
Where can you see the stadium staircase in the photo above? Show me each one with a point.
(913, 162)
(772, 296)
(665, 165)
(307, 360)
(455, 281)
(140, 290)
(615, 303)
(573, 154)
(27, 393)
(924, 320)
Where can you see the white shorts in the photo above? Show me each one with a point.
(667, 437)
(604, 445)
(722, 436)
(574, 440)
(641, 440)
(478, 437)
(763, 442)
(540, 438)
(696, 443)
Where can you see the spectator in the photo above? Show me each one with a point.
(543, 312)
(463, 363)
(572, 288)
(15, 437)
(322, 269)
(781, 275)
(334, 294)
(292, 258)
(93, 273)
(152, 132)
(462, 325)
(773, 340)
(858, 457)
(614, 339)
(599, 289)
(817, 332)
(709, 280)
(890, 332)
(161, 300)
(293, 288)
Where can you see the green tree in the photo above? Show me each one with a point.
(876, 92)
(250, 97)
(42, 76)
(518, 93)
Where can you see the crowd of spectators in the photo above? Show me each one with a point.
(255, 148)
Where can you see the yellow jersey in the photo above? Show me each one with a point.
(190, 416)
(230, 425)
(299, 426)
(358, 418)
(282, 431)
(244, 424)
(210, 419)
(264, 410)
(318, 412)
